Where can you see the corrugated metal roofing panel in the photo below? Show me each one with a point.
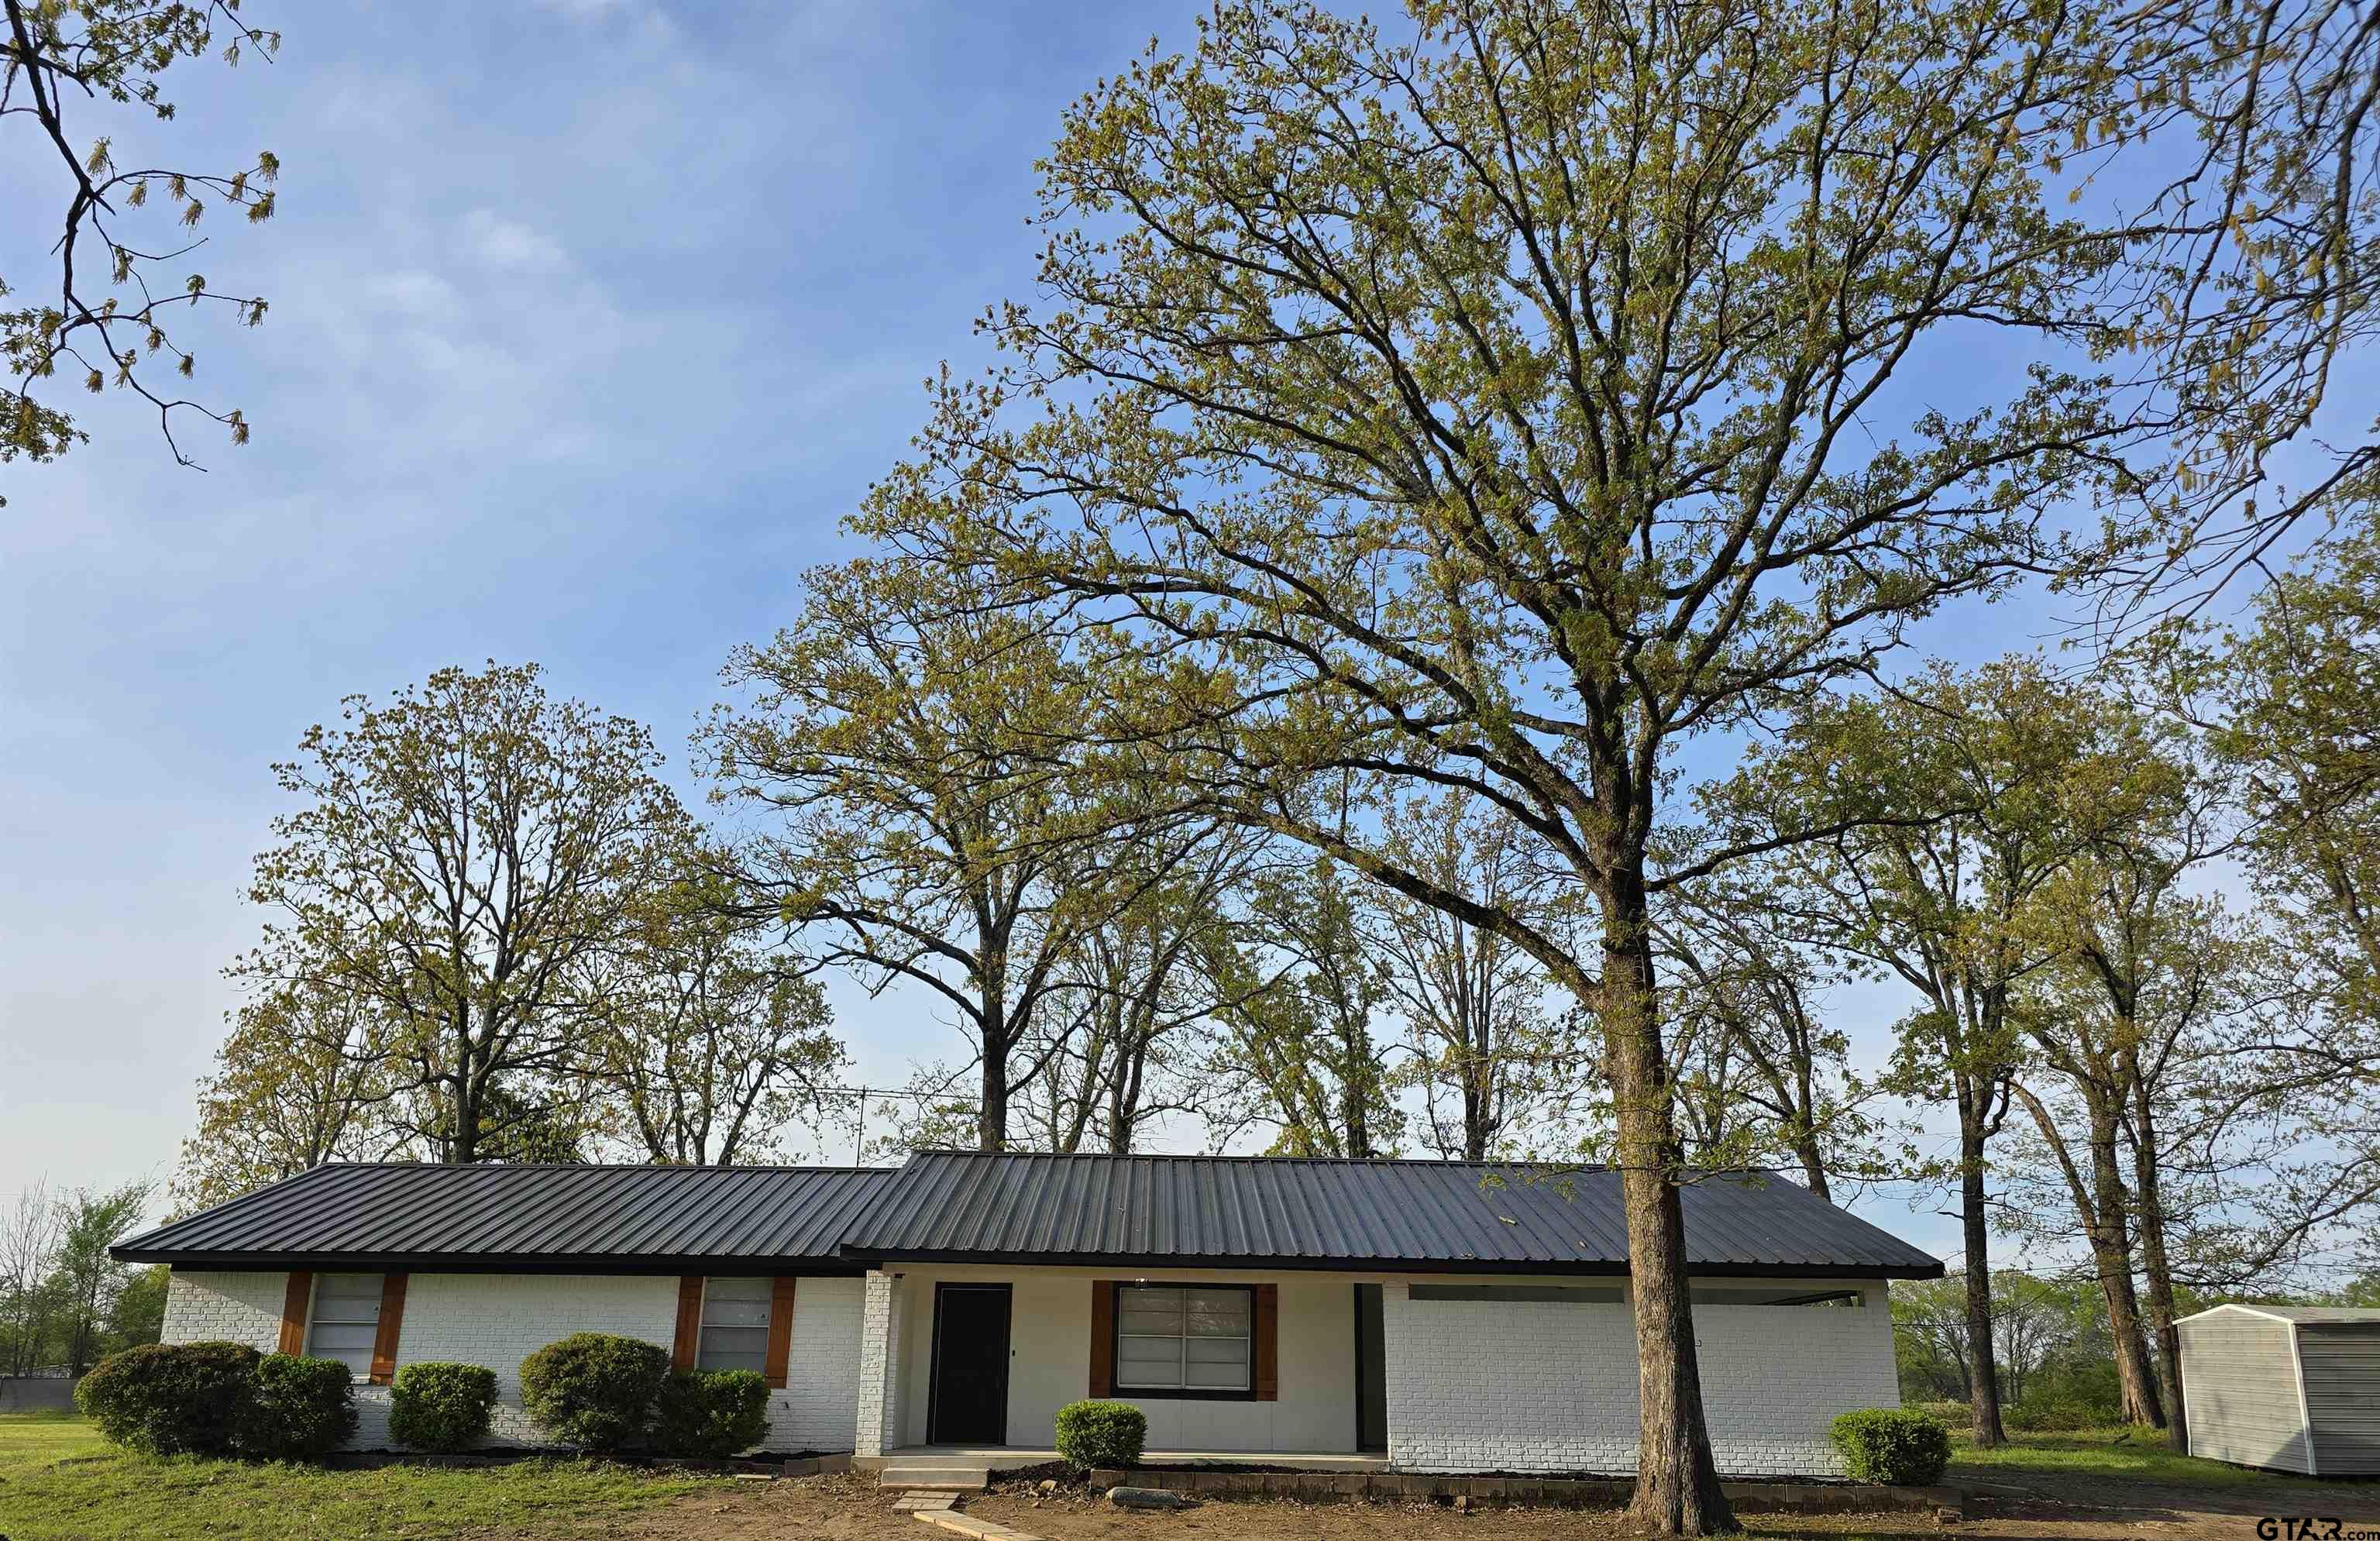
(1291, 1212)
(528, 1215)
(2324, 1315)
(1182, 1209)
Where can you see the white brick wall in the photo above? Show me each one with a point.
(818, 1408)
(226, 1307)
(880, 1365)
(499, 1319)
(1539, 1386)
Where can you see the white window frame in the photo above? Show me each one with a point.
(315, 1320)
(704, 1327)
(1181, 1340)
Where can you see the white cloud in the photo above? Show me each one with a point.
(504, 243)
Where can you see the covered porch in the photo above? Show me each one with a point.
(1012, 1458)
(976, 1360)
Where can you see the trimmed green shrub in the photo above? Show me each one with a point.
(1893, 1445)
(1101, 1433)
(436, 1406)
(712, 1413)
(592, 1388)
(172, 1399)
(302, 1408)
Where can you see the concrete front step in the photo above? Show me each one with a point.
(933, 1479)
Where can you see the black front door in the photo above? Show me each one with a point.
(970, 1401)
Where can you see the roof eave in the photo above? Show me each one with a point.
(514, 1263)
(871, 1257)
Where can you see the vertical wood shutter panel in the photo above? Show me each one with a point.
(295, 1299)
(392, 1323)
(1103, 1304)
(690, 1322)
(1268, 1345)
(781, 1330)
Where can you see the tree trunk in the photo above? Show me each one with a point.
(2111, 1251)
(2156, 1262)
(1677, 1481)
(1983, 1379)
(1476, 1070)
(1356, 1087)
(1813, 1163)
(991, 1110)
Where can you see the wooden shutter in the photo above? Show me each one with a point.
(392, 1323)
(781, 1330)
(1103, 1305)
(690, 1322)
(1268, 1345)
(295, 1299)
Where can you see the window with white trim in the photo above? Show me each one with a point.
(346, 1319)
(1711, 1295)
(1185, 1338)
(735, 1325)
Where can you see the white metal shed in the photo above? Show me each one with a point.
(2291, 1386)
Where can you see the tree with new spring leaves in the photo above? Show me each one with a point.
(1497, 406)
(926, 830)
(2252, 269)
(466, 853)
(300, 1080)
(711, 1046)
(115, 314)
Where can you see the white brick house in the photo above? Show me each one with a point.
(1435, 1317)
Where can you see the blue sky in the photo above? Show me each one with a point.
(590, 319)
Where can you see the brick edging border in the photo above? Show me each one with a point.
(1749, 1498)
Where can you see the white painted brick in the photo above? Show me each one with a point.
(499, 1319)
(1542, 1387)
(226, 1307)
(880, 1365)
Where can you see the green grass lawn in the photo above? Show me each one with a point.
(59, 1481)
(2133, 1454)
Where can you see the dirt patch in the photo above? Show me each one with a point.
(850, 1507)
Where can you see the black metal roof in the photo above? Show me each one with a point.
(1194, 1211)
(527, 1219)
(1288, 1212)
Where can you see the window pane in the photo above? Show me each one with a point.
(737, 1340)
(734, 1312)
(1155, 1361)
(1219, 1324)
(346, 1323)
(1220, 1377)
(347, 1297)
(1148, 1311)
(332, 1338)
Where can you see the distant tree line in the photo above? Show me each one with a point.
(65, 1305)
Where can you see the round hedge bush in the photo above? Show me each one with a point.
(593, 1389)
(712, 1413)
(1893, 1445)
(1101, 1433)
(301, 1409)
(172, 1399)
(436, 1406)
